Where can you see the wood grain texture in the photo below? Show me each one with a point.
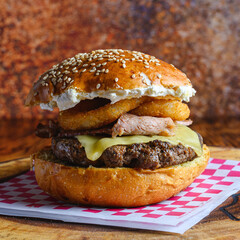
(14, 167)
(221, 132)
(39, 229)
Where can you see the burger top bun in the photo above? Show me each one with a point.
(112, 73)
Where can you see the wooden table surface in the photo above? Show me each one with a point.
(17, 142)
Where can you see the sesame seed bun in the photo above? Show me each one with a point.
(115, 187)
(113, 73)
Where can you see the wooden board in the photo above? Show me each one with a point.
(215, 226)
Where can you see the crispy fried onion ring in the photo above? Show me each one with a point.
(73, 119)
(174, 109)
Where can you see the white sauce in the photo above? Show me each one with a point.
(72, 97)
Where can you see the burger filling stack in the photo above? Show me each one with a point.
(121, 138)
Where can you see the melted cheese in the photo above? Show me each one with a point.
(95, 146)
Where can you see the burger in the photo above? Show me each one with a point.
(121, 138)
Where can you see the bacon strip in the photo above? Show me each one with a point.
(52, 129)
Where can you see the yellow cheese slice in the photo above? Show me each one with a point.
(95, 145)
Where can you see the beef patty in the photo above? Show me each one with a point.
(152, 155)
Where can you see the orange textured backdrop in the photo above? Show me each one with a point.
(202, 38)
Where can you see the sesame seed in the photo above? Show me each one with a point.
(103, 70)
(99, 65)
(100, 59)
(98, 86)
(116, 52)
(146, 66)
(92, 64)
(116, 79)
(104, 63)
(93, 69)
(97, 73)
(106, 71)
(159, 75)
(133, 76)
(84, 70)
(45, 77)
(124, 65)
(85, 65)
(158, 64)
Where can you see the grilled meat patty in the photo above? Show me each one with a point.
(152, 155)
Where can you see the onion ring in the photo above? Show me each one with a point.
(163, 108)
(73, 120)
(88, 105)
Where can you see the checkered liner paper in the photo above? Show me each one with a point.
(21, 196)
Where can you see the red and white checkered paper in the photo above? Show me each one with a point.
(21, 196)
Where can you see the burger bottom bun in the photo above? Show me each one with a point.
(116, 187)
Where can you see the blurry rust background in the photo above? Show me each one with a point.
(202, 38)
